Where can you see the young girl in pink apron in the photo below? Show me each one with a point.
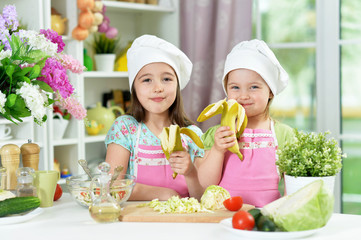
(252, 76)
(157, 72)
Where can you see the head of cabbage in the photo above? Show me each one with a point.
(213, 197)
(309, 208)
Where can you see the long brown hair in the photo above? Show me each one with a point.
(176, 111)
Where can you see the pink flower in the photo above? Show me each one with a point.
(73, 106)
(69, 63)
(54, 38)
(54, 74)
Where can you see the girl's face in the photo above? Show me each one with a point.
(250, 90)
(156, 87)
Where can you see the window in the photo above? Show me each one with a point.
(318, 42)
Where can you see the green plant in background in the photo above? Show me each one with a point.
(310, 155)
(103, 45)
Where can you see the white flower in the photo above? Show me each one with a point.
(39, 41)
(34, 100)
(4, 54)
(2, 102)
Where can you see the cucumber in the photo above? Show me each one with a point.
(256, 213)
(18, 205)
(265, 224)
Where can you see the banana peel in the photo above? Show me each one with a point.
(233, 115)
(171, 140)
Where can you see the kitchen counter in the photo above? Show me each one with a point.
(68, 220)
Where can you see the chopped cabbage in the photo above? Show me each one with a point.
(309, 208)
(213, 197)
(176, 205)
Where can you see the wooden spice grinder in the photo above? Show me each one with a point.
(30, 155)
(10, 159)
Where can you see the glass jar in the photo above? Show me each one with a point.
(25, 187)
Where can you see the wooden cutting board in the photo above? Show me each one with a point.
(132, 213)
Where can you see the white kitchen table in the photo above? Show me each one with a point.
(68, 220)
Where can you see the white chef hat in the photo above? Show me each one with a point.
(257, 56)
(148, 49)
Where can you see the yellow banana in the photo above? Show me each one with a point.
(171, 140)
(233, 115)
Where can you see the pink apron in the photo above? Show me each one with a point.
(255, 178)
(152, 168)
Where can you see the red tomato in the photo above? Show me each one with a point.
(58, 192)
(243, 220)
(233, 203)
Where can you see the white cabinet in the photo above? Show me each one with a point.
(131, 20)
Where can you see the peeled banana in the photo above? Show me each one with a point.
(233, 115)
(171, 141)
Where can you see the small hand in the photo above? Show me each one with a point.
(181, 163)
(223, 139)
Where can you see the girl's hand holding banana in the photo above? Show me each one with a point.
(181, 163)
(233, 116)
(224, 138)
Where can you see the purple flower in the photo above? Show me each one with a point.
(111, 32)
(4, 33)
(10, 16)
(54, 38)
(54, 74)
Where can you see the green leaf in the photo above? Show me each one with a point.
(50, 101)
(23, 71)
(43, 86)
(35, 71)
(19, 109)
(26, 79)
(10, 102)
(10, 70)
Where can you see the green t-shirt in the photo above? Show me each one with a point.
(284, 133)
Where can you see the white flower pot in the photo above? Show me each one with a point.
(104, 62)
(59, 126)
(292, 184)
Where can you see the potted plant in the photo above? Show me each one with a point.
(105, 51)
(309, 157)
(105, 45)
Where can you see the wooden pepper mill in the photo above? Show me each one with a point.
(30, 155)
(10, 159)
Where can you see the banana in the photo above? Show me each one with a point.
(171, 140)
(233, 115)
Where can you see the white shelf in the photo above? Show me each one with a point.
(99, 74)
(65, 141)
(131, 20)
(136, 7)
(93, 139)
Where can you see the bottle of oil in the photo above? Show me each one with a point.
(104, 208)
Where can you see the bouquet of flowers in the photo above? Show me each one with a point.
(33, 72)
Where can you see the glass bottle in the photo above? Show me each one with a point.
(104, 208)
(25, 187)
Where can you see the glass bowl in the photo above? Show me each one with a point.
(78, 187)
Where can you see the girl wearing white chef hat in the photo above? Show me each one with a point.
(252, 76)
(157, 72)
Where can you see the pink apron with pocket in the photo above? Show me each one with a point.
(255, 178)
(152, 168)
